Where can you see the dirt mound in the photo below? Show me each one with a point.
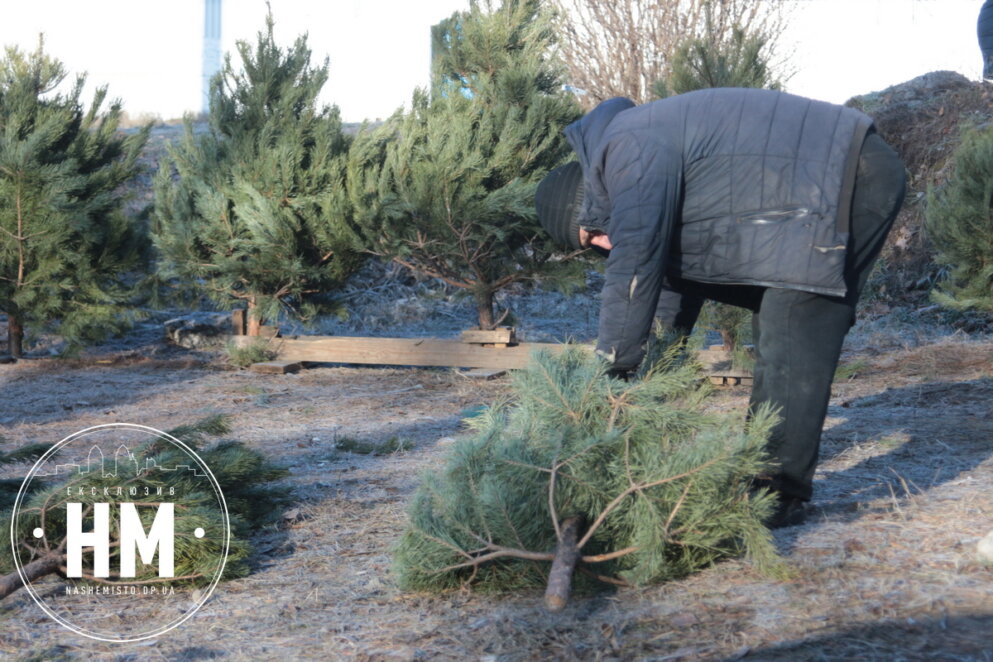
(922, 119)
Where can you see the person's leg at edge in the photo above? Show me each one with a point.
(798, 335)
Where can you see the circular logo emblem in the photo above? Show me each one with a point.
(120, 532)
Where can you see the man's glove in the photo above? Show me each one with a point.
(619, 373)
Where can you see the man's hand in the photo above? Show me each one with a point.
(623, 374)
(594, 238)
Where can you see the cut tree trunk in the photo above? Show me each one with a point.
(484, 307)
(15, 336)
(32, 571)
(727, 340)
(253, 323)
(566, 556)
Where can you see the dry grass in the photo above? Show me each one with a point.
(949, 357)
(885, 569)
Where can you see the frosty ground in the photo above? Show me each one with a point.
(885, 569)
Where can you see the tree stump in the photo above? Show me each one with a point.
(563, 566)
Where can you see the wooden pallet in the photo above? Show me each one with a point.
(401, 351)
(488, 353)
(730, 380)
(716, 362)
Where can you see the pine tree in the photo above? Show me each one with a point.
(256, 213)
(703, 62)
(447, 189)
(244, 476)
(959, 219)
(65, 243)
(636, 481)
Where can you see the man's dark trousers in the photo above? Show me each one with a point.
(798, 335)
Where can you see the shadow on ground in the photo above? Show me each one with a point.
(929, 434)
(955, 638)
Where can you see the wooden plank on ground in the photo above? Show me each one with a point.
(401, 351)
(501, 336)
(276, 367)
(435, 352)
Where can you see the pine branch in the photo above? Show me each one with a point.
(639, 488)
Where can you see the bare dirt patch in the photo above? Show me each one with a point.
(885, 569)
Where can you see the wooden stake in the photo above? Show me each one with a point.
(276, 367)
(238, 326)
(566, 556)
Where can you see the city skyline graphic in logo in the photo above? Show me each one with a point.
(131, 462)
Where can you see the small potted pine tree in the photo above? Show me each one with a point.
(251, 211)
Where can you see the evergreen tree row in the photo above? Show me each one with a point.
(273, 206)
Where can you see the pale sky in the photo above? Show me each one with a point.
(149, 52)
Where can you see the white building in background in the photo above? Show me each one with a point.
(211, 48)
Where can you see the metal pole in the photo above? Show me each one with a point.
(211, 47)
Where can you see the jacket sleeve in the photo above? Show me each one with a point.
(642, 180)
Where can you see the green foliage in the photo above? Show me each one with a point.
(244, 475)
(24, 454)
(959, 219)
(258, 351)
(251, 210)
(703, 62)
(850, 370)
(447, 189)
(194, 434)
(65, 243)
(734, 324)
(644, 463)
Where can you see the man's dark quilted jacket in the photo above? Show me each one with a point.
(719, 186)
